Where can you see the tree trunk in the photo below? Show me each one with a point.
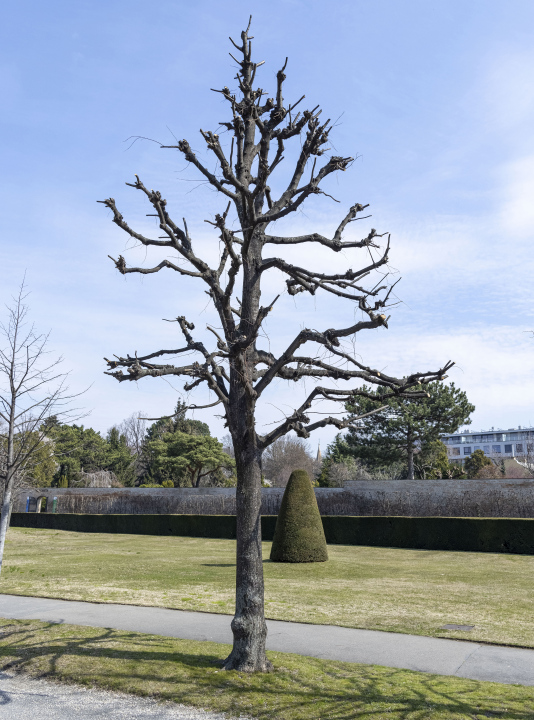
(4, 523)
(249, 626)
(5, 514)
(410, 458)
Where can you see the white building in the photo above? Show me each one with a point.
(495, 443)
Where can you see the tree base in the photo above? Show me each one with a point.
(245, 663)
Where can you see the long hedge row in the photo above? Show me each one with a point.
(498, 535)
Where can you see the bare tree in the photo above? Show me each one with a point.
(286, 454)
(32, 388)
(237, 370)
(348, 469)
(134, 430)
(529, 454)
(526, 459)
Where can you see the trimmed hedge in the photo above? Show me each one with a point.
(208, 526)
(299, 535)
(498, 535)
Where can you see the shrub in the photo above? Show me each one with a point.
(167, 484)
(299, 535)
(477, 462)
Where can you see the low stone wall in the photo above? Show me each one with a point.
(431, 498)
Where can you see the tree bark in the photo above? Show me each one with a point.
(249, 626)
(411, 473)
(4, 523)
(9, 482)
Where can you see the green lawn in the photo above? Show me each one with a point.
(298, 689)
(410, 591)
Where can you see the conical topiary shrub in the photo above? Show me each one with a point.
(299, 535)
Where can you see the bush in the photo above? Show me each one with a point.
(477, 462)
(167, 484)
(299, 535)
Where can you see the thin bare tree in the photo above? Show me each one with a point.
(237, 369)
(32, 388)
(134, 429)
(286, 454)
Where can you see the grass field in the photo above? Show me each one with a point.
(410, 591)
(298, 689)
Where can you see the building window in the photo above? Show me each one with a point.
(455, 451)
(508, 449)
(467, 451)
(519, 448)
(496, 448)
(486, 449)
(477, 447)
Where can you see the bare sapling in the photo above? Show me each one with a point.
(32, 389)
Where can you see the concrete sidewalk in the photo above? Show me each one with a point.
(411, 652)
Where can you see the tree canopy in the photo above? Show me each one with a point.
(475, 462)
(79, 449)
(405, 426)
(186, 459)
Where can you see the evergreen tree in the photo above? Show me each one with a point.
(157, 471)
(432, 463)
(474, 464)
(77, 449)
(187, 459)
(120, 459)
(177, 423)
(405, 426)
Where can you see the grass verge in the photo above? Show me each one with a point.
(410, 591)
(300, 688)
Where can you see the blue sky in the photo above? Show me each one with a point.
(435, 99)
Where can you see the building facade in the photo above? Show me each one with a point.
(495, 443)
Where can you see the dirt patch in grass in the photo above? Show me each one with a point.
(299, 688)
(411, 591)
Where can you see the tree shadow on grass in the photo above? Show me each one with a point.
(298, 689)
(218, 564)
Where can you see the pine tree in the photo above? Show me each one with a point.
(404, 426)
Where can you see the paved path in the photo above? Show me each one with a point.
(23, 697)
(412, 652)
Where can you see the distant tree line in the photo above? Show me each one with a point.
(171, 452)
(400, 441)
